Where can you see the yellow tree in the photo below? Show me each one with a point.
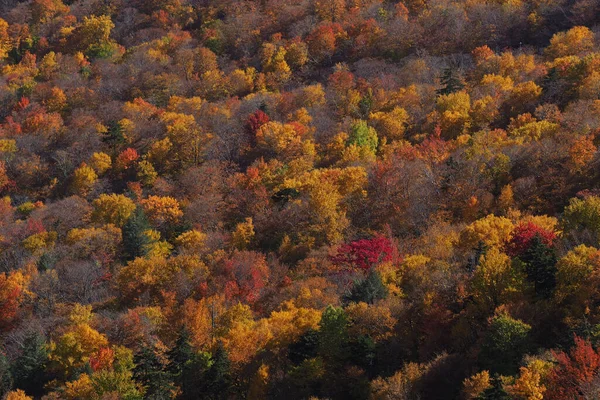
(112, 209)
(576, 41)
(84, 179)
(72, 350)
(162, 210)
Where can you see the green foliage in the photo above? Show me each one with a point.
(151, 371)
(505, 343)
(6, 381)
(450, 82)
(29, 368)
(540, 267)
(368, 290)
(333, 334)
(135, 240)
(363, 135)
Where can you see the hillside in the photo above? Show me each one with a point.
(311, 199)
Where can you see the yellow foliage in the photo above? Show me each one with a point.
(162, 210)
(491, 230)
(81, 388)
(146, 173)
(576, 41)
(88, 240)
(475, 385)
(243, 234)
(290, 323)
(391, 124)
(84, 179)
(5, 42)
(112, 209)
(573, 274)
(73, 349)
(453, 112)
(17, 395)
(152, 275)
(245, 339)
(40, 241)
(101, 162)
(373, 320)
(8, 145)
(192, 241)
(528, 385)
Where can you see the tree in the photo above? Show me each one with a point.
(583, 214)
(218, 376)
(576, 41)
(150, 370)
(496, 391)
(135, 239)
(114, 135)
(572, 371)
(113, 209)
(333, 335)
(523, 236)
(363, 135)
(529, 386)
(505, 343)
(364, 254)
(84, 179)
(11, 295)
(162, 210)
(180, 354)
(368, 290)
(494, 280)
(29, 368)
(540, 267)
(450, 82)
(475, 385)
(6, 381)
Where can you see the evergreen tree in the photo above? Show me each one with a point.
(180, 354)
(151, 372)
(135, 240)
(5, 376)
(450, 82)
(368, 290)
(333, 335)
(114, 136)
(218, 378)
(496, 392)
(540, 267)
(28, 370)
(193, 380)
(305, 347)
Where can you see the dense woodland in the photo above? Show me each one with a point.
(275, 199)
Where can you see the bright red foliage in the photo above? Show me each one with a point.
(364, 253)
(524, 233)
(572, 371)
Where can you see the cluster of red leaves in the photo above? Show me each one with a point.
(255, 121)
(364, 253)
(102, 359)
(524, 233)
(127, 158)
(572, 371)
(247, 275)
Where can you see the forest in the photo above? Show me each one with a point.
(307, 199)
